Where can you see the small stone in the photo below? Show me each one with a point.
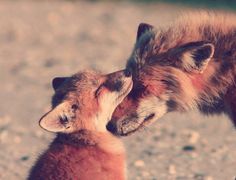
(208, 178)
(24, 158)
(3, 136)
(188, 148)
(5, 120)
(199, 176)
(172, 169)
(50, 63)
(193, 137)
(139, 163)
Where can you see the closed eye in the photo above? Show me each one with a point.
(98, 91)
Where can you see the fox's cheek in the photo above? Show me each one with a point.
(151, 107)
(101, 92)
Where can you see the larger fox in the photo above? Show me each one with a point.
(189, 64)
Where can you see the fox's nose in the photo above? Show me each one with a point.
(111, 127)
(128, 73)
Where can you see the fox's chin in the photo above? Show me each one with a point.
(148, 120)
(129, 126)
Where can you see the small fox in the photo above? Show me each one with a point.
(190, 64)
(83, 148)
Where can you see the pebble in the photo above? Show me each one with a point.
(5, 120)
(172, 169)
(193, 137)
(24, 158)
(189, 148)
(139, 163)
(3, 136)
(208, 178)
(202, 177)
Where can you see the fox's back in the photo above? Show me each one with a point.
(85, 162)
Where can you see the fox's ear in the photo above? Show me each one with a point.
(51, 122)
(58, 81)
(55, 120)
(195, 56)
(142, 28)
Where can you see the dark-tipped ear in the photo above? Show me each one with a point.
(57, 81)
(196, 56)
(142, 28)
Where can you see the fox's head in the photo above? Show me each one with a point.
(85, 101)
(167, 77)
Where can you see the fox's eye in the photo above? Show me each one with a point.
(98, 91)
(64, 119)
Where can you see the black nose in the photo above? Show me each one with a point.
(128, 72)
(111, 126)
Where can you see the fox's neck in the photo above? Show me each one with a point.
(80, 138)
(85, 138)
(215, 86)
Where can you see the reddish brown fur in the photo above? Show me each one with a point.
(84, 149)
(79, 156)
(156, 66)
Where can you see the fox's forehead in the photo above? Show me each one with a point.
(86, 78)
(77, 87)
(81, 81)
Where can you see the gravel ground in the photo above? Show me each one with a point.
(41, 40)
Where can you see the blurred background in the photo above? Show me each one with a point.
(43, 39)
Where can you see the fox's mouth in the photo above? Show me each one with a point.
(130, 125)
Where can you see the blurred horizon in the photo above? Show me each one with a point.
(44, 39)
(210, 4)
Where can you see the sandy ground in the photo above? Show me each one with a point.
(41, 40)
